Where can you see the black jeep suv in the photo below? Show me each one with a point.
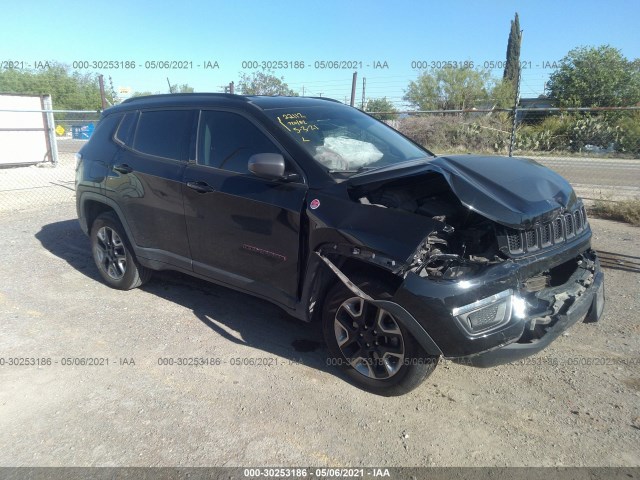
(405, 257)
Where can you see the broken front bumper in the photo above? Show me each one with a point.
(588, 306)
(438, 307)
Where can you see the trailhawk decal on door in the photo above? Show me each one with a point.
(266, 253)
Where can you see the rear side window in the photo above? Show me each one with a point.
(100, 142)
(124, 134)
(165, 133)
(227, 140)
(105, 128)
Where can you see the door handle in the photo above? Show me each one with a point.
(123, 168)
(200, 187)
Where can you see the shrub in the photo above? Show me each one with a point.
(458, 133)
(625, 210)
(629, 139)
(491, 133)
(590, 130)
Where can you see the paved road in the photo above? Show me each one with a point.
(593, 176)
(596, 171)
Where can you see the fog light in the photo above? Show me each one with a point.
(486, 314)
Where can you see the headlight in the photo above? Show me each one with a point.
(490, 313)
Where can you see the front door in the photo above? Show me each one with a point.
(243, 230)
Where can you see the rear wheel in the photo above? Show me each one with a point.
(113, 254)
(370, 344)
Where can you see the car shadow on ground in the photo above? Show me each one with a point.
(238, 317)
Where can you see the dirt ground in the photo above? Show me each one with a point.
(267, 396)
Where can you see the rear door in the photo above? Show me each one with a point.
(145, 180)
(243, 230)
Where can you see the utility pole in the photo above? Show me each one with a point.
(353, 88)
(170, 87)
(102, 96)
(364, 86)
(231, 88)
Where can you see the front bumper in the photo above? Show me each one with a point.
(588, 306)
(550, 312)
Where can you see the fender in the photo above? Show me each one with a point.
(407, 320)
(149, 257)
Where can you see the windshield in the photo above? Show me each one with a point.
(345, 140)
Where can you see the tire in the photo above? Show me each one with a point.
(114, 256)
(395, 365)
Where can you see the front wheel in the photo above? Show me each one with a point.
(370, 344)
(113, 255)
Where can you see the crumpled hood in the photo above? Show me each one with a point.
(515, 192)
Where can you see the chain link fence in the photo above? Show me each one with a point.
(48, 180)
(598, 151)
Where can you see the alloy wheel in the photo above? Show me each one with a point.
(111, 253)
(369, 338)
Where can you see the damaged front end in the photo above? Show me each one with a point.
(480, 287)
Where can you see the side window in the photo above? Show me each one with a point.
(165, 133)
(124, 134)
(227, 140)
(105, 128)
(102, 136)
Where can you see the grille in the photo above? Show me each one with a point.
(515, 242)
(530, 235)
(577, 220)
(557, 231)
(547, 234)
(569, 227)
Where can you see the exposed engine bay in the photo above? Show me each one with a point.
(463, 239)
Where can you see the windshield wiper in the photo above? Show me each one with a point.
(363, 168)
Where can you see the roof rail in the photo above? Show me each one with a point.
(178, 95)
(326, 98)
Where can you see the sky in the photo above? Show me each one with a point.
(393, 35)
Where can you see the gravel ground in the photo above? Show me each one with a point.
(575, 404)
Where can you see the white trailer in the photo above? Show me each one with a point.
(27, 133)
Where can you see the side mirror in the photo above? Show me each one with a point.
(267, 165)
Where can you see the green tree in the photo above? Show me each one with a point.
(512, 66)
(381, 105)
(261, 83)
(595, 77)
(69, 90)
(184, 88)
(143, 94)
(448, 89)
(503, 94)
